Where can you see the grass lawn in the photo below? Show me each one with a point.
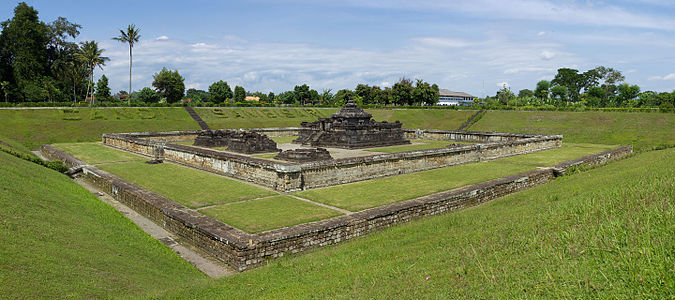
(190, 187)
(366, 194)
(34, 127)
(425, 144)
(423, 118)
(605, 233)
(96, 153)
(642, 130)
(269, 213)
(60, 241)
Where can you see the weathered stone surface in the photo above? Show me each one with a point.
(350, 128)
(304, 155)
(244, 251)
(236, 141)
(307, 175)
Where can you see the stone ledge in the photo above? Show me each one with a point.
(244, 251)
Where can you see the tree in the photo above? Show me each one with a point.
(25, 40)
(559, 93)
(342, 96)
(424, 93)
(92, 57)
(401, 92)
(302, 93)
(5, 85)
(102, 89)
(525, 93)
(541, 91)
(595, 96)
(572, 80)
(627, 93)
(220, 91)
(131, 36)
(197, 95)
(239, 94)
(169, 84)
(147, 95)
(271, 98)
(504, 95)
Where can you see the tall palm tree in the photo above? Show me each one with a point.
(90, 55)
(131, 36)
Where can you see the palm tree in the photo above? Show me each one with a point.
(90, 55)
(4, 85)
(131, 36)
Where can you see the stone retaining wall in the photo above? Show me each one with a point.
(244, 251)
(287, 177)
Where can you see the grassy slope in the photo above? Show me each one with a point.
(604, 233)
(58, 241)
(642, 130)
(33, 127)
(365, 194)
(251, 117)
(96, 153)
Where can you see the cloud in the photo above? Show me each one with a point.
(541, 33)
(546, 55)
(670, 76)
(443, 42)
(503, 84)
(162, 38)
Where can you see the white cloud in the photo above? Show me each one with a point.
(541, 33)
(162, 38)
(546, 55)
(503, 84)
(443, 42)
(670, 76)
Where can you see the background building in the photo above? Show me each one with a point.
(448, 97)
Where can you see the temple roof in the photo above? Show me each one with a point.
(351, 111)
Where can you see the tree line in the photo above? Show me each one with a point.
(597, 87)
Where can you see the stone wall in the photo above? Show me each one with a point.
(244, 251)
(289, 177)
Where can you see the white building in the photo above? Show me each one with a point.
(448, 97)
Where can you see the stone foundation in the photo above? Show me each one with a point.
(287, 177)
(244, 251)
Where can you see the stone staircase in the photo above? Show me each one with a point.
(197, 118)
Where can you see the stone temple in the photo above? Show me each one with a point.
(350, 128)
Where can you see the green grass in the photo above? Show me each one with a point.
(190, 187)
(423, 118)
(96, 153)
(284, 117)
(371, 193)
(34, 127)
(424, 144)
(606, 233)
(642, 130)
(269, 213)
(60, 241)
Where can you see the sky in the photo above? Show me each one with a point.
(474, 46)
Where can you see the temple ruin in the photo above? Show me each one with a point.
(350, 128)
(236, 141)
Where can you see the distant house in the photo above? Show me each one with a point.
(448, 97)
(252, 98)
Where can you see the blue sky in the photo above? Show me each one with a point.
(471, 46)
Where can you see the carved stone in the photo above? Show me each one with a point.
(350, 128)
(236, 141)
(304, 155)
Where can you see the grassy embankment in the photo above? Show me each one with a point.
(58, 241)
(33, 127)
(604, 233)
(643, 131)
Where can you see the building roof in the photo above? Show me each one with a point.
(449, 93)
